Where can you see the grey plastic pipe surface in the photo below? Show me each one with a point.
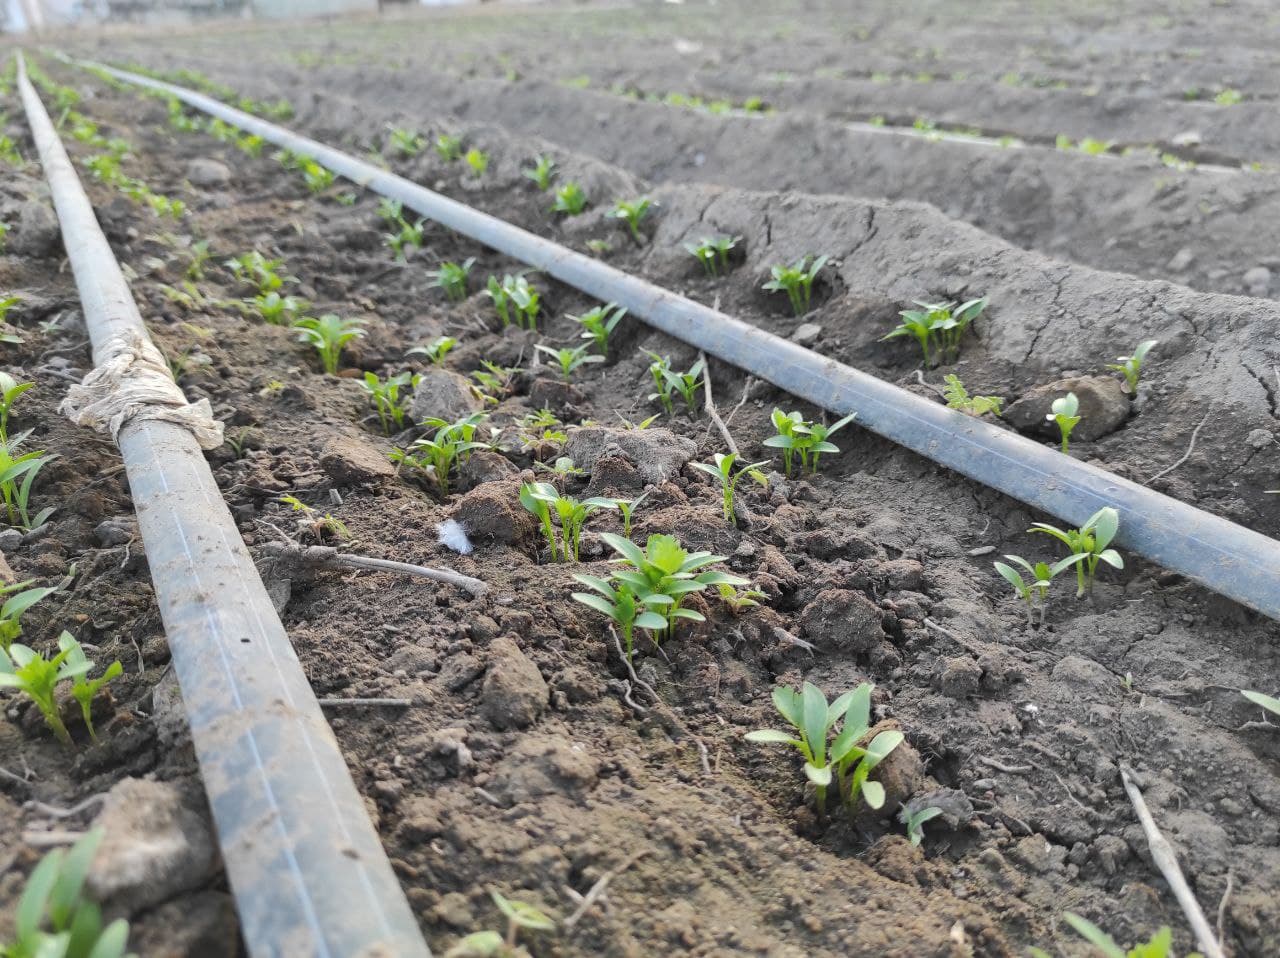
(1218, 554)
(308, 872)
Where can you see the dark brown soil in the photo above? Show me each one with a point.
(559, 780)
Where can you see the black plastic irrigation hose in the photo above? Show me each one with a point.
(1220, 555)
(308, 872)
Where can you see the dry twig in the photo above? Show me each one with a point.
(1186, 455)
(599, 888)
(710, 403)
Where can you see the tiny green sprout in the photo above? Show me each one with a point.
(1228, 97)
(1091, 540)
(1268, 702)
(17, 476)
(1131, 366)
(797, 436)
(254, 269)
(54, 918)
(1159, 945)
(598, 323)
(251, 144)
(1064, 411)
(478, 160)
(436, 350)
(20, 599)
(452, 278)
(391, 211)
(632, 212)
(686, 384)
(1035, 592)
(200, 255)
(599, 247)
(318, 178)
(563, 467)
(4, 232)
(570, 360)
(313, 523)
(797, 280)
(724, 472)
(10, 391)
(27, 671)
(519, 916)
(448, 147)
(627, 507)
(739, 599)
(276, 309)
(452, 444)
(570, 200)
(844, 763)
(915, 821)
(542, 172)
(958, 397)
(6, 304)
(328, 334)
(515, 300)
(659, 369)
(494, 381)
(619, 604)
(713, 253)
(386, 398)
(84, 689)
(938, 327)
(407, 142)
(409, 235)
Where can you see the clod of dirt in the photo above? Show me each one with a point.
(116, 531)
(614, 475)
(658, 454)
(484, 466)
(157, 845)
(203, 171)
(1257, 281)
(537, 767)
(959, 677)
(203, 925)
(806, 334)
(1083, 673)
(1104, 407)
(492, 513)
(514, 692)
(901, 773)
(37, 231)
(841, 619)
(442, 394)
(353, 462)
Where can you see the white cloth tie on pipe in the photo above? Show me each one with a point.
(133, 383)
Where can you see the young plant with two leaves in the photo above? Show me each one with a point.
(1130, 367)
(386, 398)
(18, 473)
(515, 300)
(799, 438)
(728, 473)
(10, 391)
(632, 212)
(713, 253)
(796, 281)
(671, 382)
(599, 323)
(1091, 542)
(1064, 412)
(570, 360)
(1159, 945)
(938, 327)
(1034, 589)
(452, 278)
(18, 598)
(545, 501)
(840, 761)
(328, 335)
(29, 672)
(451, 444)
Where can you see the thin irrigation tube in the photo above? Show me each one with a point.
(1227, 558)
(307, 870)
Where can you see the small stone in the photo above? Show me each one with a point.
(658, 454)
(353, 462)
(206, 172)
(1257, 281)
(115, 532)
(443, 394)
(156, 846)
(1112, 851)
(1181, 260)
(10, 539)
(960, 677)
(454, 910)
(37, 231)
(1104, 406)
(460, 671)
(1260, 438)
(842, 619)
(514, 692)
(806, 334)
(492, 513)
(1186, 138)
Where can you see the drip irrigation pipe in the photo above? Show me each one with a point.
(1220, 555)
(306, 867)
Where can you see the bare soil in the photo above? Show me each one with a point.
(559, 780)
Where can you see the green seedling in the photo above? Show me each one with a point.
(1228, 97)
(329, 335)
(276, 309)
(478, 160)
(739, 599)
(317, 177)
(626, 507)
(687, 383)
(1041, 575)
(200, 255)
(797, 281)
(515, 300)
(845, 763)
(9, 152)
(407, 142)
(666, 570)
(620, 605)
(452, 278)
(448, 147)
(1159, 945)
(724, 472)
(542, 172)
(659, 369)
(598, 323)
(713, 253)
(570, 360)
(494, 381)
(799, 438)
(29, 672)
(632, 212)
(386, 398)
(6, 304)
(10, 391)
(1090, 540)
(570, 200)
(958, 397)
(570, 513)
(4, 233)
(20, 599)
(250, 144)
(1131, 366)
(1064, 411)
(436, 350)
(1268, 702)
(451, 445)
(915, 821)
(391, 211)
(254, 269)
(490, 944)
(408, 235)
(54, 918)
(312, 522)
(17, 475)
(84, 689)
(938, 327)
